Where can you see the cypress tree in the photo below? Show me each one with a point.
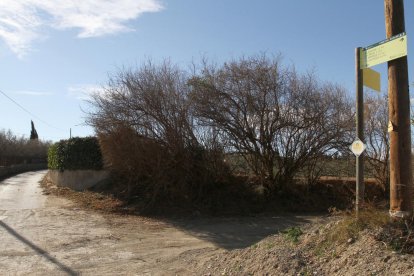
(33, 133)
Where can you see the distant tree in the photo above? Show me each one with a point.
(33, 132)
(16, 150)
(376, 138)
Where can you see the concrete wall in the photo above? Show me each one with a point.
(16, 169)
(78, 180)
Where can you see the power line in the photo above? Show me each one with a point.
(27, 111)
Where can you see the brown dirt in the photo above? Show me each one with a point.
(277, 255)
(67, 236)
(60, 237)
(87, 199)
(272, 255)
(233, 253)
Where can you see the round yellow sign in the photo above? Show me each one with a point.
(358, 147)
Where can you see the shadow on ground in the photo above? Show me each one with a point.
(238, 232)
(41, 252)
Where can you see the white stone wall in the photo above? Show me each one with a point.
(78, 180)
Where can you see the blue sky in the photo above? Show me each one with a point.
(53, 53)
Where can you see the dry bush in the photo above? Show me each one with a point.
(147, 134)
(170, 134)
(278, 120)
(133, 157)
(157, 176)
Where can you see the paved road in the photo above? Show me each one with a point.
(22, 192)
(46, 235)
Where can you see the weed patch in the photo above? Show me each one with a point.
(292, 234)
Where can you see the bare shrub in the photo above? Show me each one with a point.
(170, 135)
(278, 120)
(147, 133)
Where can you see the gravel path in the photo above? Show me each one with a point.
(47, 235)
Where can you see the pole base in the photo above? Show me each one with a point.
(400, 214)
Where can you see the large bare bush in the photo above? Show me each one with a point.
(148, 135)
(279, 121)
(167, 132)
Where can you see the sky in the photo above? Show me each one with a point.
(53, 53)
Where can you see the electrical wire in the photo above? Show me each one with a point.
(28, 112)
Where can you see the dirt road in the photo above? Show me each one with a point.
(46, 235)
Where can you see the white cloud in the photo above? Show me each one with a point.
(22, 21)
(84, 91)
(18, 25)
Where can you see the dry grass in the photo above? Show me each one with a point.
(348, 228)
(399, 235)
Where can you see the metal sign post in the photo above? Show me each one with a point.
(359, 131)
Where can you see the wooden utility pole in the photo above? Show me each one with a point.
(359, 131)
(399, 115)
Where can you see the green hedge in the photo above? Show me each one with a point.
(75, 154)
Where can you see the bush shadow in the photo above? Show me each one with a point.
(238, 232)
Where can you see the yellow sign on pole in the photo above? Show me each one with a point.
(386, 50)
(372, 79)
(357, 147)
